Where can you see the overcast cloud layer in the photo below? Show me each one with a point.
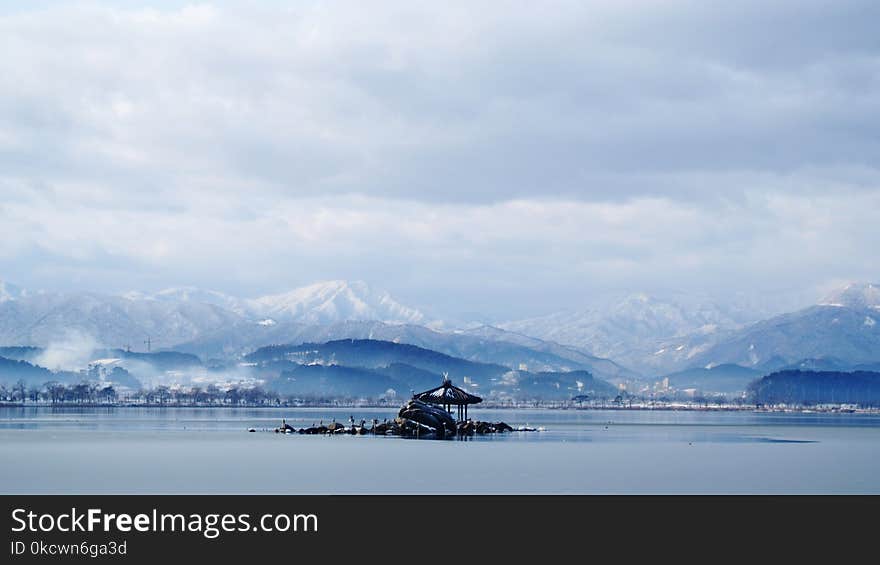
(509, 158)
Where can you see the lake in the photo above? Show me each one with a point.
(208, 450)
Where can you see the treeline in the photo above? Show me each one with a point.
(809, 388)
(92, 393)
(791, 387)
(55, 392)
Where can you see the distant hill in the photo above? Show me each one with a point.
(21, 353)
(482, 345)
(725, 378)
(44, 319)
(824, 331)
(11, 371)
(830, 364)
(333, 381)
(213, 325)
(633, 329)
(490, 344)
(652, 335)
(656, 336)
(370, 353)
(370, 367)
(126, 366)
(862, 296)
(412, 378)
(401, 381)
(161, 360)
(553, 386)
(843, 327)
(818, 387)
(181, 315)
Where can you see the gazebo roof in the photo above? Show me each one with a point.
(447, 393)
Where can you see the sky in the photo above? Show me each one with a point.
(506, 158)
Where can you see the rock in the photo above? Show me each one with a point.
(484, 428)
(502, 427)
(424, 418)
(429, 415)
(334, 426)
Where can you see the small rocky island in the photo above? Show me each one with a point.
(427, 415)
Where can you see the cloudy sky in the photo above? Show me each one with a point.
(509, 158)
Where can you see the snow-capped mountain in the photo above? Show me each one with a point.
(485, 345)
(335, 301)
(648, 335)
(819, 332)
(113, 321)
(202, 296)
(211, 324)
(319, 303)
(631, 330)
(843, 326)
(854, 295)
(185, 314)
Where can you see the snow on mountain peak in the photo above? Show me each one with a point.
(190, 294)
(639, 330)
(318, 303)
(334, 301)
(854, 295)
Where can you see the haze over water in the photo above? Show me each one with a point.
(107, 450)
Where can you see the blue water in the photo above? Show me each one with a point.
(205, 450)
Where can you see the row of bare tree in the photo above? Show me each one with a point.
(90, 393)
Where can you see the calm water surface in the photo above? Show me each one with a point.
(205, 450)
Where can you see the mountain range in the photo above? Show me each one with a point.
(481, 344)
(842, 326)
(657, 338)
(318, 303)
(638, 336)
(632, 329)
(214, 325)
(337, 369)
(368, 366)
(178, 315)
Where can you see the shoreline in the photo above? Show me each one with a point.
(844, 409)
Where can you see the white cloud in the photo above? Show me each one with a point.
(519, 154)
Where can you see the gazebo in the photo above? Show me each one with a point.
(448, 395)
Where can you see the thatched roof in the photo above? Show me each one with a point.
(447, 393)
